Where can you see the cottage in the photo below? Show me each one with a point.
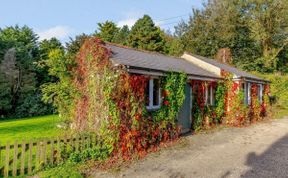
(197, 68)
(241, 78)
(155, 65)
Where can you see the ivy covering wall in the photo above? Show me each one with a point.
(111, 103)
(229, 108)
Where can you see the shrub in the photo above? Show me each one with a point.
(67, 170)
(278, 89)
(96, 153)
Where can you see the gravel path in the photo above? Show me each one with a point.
(260, 150)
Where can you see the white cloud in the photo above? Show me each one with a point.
(129, 22)
(60, 32)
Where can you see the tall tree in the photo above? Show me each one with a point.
(107, 31)
(45, 47)
(219, 25)
(60, 64)
(122, 36)
(255, 31)
(145, 35)
(21, 52)
(8, 81)
(268, 22)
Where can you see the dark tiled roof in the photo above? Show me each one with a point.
(155, 61)
(227, 68)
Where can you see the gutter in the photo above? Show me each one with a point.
(147, 71)
(249, 79)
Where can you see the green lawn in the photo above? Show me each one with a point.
(29, 128)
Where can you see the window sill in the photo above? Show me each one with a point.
(153, 108)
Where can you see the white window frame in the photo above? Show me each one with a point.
(249, 93)
(206, 95)
(212, 98)
(209, 101)
(151, 86)
(245, 93)
(260, 96)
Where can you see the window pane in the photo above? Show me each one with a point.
(156, 93)
(208, 95)
(259, 93)
(213, 96)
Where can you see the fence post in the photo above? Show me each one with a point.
(44, 151)
(7, 156)
(52, 152)
(58, 151)
(37, 154)
(22, 171)
(14, 171)
(30, 157)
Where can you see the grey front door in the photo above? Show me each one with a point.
(184, 116)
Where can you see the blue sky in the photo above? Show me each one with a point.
(64, 18)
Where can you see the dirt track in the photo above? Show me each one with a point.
(260, 150)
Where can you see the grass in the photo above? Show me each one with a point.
(29, 128)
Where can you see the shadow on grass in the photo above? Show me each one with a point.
(272, 163)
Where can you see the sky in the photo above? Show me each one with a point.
(67, 18)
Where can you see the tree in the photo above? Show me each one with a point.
(21, 52)
(122, 36)
(45, 47)
(221, 24)
(107, 31)
(73, 46)
(255, 31)
(268, 22)
(61, 65)
(145, 35)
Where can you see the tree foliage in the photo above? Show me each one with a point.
(21, 81)
(122, 36)
(61, 65)
(254, 30)
(107, 31)
(145, 35)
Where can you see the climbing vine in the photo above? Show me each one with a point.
(173, 96)
(265, 104)
(203, 114)
(220, 97)
(255, 107)
(111, 103)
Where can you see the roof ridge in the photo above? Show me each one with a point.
(142, 50)
(248, 74)
(220, 62)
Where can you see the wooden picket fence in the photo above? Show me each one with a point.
(21, 158)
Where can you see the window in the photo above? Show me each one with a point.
(213, 95)
(153, 94)
(249, 93)
(244, 90)
(210, 95)
(260, 93)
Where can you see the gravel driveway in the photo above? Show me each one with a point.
(260, 150)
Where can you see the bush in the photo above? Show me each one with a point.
(64, 171)
(279, 93)
(96, 153)
(278, 87)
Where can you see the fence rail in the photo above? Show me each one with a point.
(21, 158)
